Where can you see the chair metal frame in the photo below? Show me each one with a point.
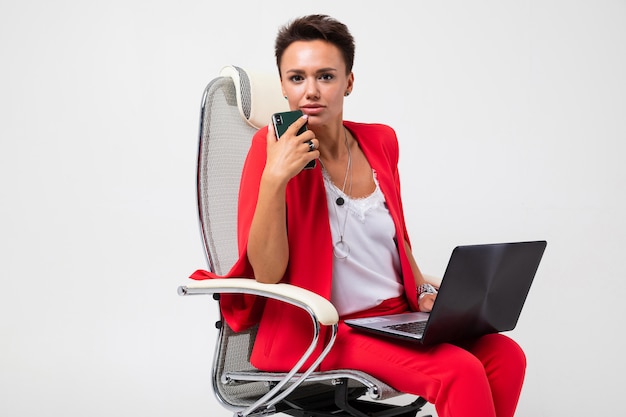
(246, 391)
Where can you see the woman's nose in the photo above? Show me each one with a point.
(312, 92)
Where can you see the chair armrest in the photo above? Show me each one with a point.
(321, 311)
(325, 312)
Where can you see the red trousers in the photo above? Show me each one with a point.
(481, 378)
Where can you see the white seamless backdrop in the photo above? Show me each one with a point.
(510, 116)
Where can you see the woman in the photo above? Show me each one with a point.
(339, 230)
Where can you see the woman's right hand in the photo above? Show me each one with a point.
(289, 155)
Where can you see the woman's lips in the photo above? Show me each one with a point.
(311, 110)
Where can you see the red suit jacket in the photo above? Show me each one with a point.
(285, 331)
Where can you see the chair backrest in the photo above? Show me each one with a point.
(234, 106)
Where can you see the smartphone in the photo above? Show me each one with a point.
(283, 120)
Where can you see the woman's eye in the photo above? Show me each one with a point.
(296, 78)
(326, 77)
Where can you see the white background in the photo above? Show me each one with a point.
(511, 119)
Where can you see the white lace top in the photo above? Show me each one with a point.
(370, 273)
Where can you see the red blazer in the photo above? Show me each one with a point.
(284, 331)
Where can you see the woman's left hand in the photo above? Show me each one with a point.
(426, 303)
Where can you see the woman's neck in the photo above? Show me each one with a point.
(334, 143)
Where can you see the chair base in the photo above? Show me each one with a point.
(346, 403)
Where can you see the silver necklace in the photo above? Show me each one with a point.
(341, 249)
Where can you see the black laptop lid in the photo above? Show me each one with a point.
(483, 290)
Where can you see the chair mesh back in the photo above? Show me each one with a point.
(234, 355)
(224, 143)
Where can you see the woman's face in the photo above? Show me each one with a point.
(313, 77)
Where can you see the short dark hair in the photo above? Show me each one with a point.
(314, 27)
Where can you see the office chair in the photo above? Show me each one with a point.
(234, 106)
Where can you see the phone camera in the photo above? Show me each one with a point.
(279, 119)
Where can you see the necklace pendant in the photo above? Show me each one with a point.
(340, 201)
(341, 250)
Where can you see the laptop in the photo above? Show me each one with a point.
(482, 291)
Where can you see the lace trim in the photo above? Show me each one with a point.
(358, 207)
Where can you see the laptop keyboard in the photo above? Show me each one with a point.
(416, 327)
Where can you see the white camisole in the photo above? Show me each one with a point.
(371, 272)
